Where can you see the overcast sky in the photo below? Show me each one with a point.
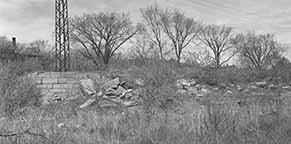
(30, 20)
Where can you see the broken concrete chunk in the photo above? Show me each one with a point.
(125, 93)
(87, 86)
(125, 85)
(61, 125)
(115, 92)
(120, 90)
(107, 103)
(57, 99)
(111, 84)
(139, 82)
(286, 87)
(99, 94)
(239, 87)
(183, 83)
(87, 103)
(261, 84)
(129, 103)
(182, 91)
(272, 86)
(205, 91)
(193, 90)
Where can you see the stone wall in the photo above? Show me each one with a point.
(58, 86)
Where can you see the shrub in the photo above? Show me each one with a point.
(282, 71)
(16, 90)
(214, 76)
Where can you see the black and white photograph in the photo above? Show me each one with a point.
(145, 71)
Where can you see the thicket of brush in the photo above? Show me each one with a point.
(155, 123)
(16, 90)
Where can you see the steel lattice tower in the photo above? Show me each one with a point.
(62, 46)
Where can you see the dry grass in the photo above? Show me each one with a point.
(216, 124)
(16, 91)
(183, 121)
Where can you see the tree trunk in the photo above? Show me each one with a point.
(107, 55)
(179, 59)
(106, 60)
(161, 54)
(217, 58)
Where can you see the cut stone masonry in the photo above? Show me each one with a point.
(58, 86)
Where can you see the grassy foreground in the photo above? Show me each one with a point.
(24, 121)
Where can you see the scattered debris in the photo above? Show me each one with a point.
(139, 82)
(203, 90)
(261, 84)
(129, 103)
(61, 125)
(184, 84)
(113, 93)
(111, 84)
(87, 103)
(99, 94)
(87, 85)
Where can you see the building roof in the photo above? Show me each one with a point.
(29, 51)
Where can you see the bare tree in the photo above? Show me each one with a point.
(154, 28)
(40, 45)
(258, 50)
(142, 47)
(180, 29)
(45, 53)
(218, 40)
(200, 57)
(101, 35)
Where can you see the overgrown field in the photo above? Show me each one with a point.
(186, 120)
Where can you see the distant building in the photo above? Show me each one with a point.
(15, 53)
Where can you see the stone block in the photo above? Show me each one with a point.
(69, 80)
(94, 76)
(75, 92)
(62, 80)
(45, 75)
(76, 86)
(69, 74)
(45, 86)
(73, 82)
(111, 84)
(43, 92)
(62, 86)
(56, 74)
(37, 80)
(50, 80)
(58, 90)
(88, 86)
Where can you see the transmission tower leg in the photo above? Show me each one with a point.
(62, 44)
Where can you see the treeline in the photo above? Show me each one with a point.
(168, 33)
(164, 34)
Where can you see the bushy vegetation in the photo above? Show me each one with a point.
(215, 123)
(17, 91)
(156, 122)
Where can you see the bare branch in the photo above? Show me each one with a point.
(259, 50)
(103, 33)
(180, 29)
(218, 40)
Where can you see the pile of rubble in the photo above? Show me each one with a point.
(201, 90)
(111, 93)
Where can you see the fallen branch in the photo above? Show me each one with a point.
(8, 135)
(21, 133)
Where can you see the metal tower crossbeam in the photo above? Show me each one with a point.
(62, 45)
